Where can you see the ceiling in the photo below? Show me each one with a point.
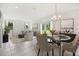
(35, 11)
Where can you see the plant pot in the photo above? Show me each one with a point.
(5, 38)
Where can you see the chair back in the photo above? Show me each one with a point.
(75, 42)
(42, 42)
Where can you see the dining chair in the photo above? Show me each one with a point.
(43, 45)
(72, 46)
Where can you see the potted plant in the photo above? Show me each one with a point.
(10, 25)
(6, 32)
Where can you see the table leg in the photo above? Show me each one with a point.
(60, 49)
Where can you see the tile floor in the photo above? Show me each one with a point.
(26, 48)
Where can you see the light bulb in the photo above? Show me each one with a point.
(59, 16)
(56, 17)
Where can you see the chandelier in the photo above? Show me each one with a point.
(56, 16)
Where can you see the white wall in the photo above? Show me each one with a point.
(19, 26)
(73, 14)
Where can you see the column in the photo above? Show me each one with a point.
(1, 24)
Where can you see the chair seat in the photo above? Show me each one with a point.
(68, 46)
(44, 48)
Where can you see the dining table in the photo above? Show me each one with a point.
(58, 39)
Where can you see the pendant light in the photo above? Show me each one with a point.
(56, 16)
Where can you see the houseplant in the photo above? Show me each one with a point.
(6, 32)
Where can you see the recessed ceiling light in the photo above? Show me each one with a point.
(16, 7)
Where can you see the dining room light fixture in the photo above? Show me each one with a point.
(56, 16)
